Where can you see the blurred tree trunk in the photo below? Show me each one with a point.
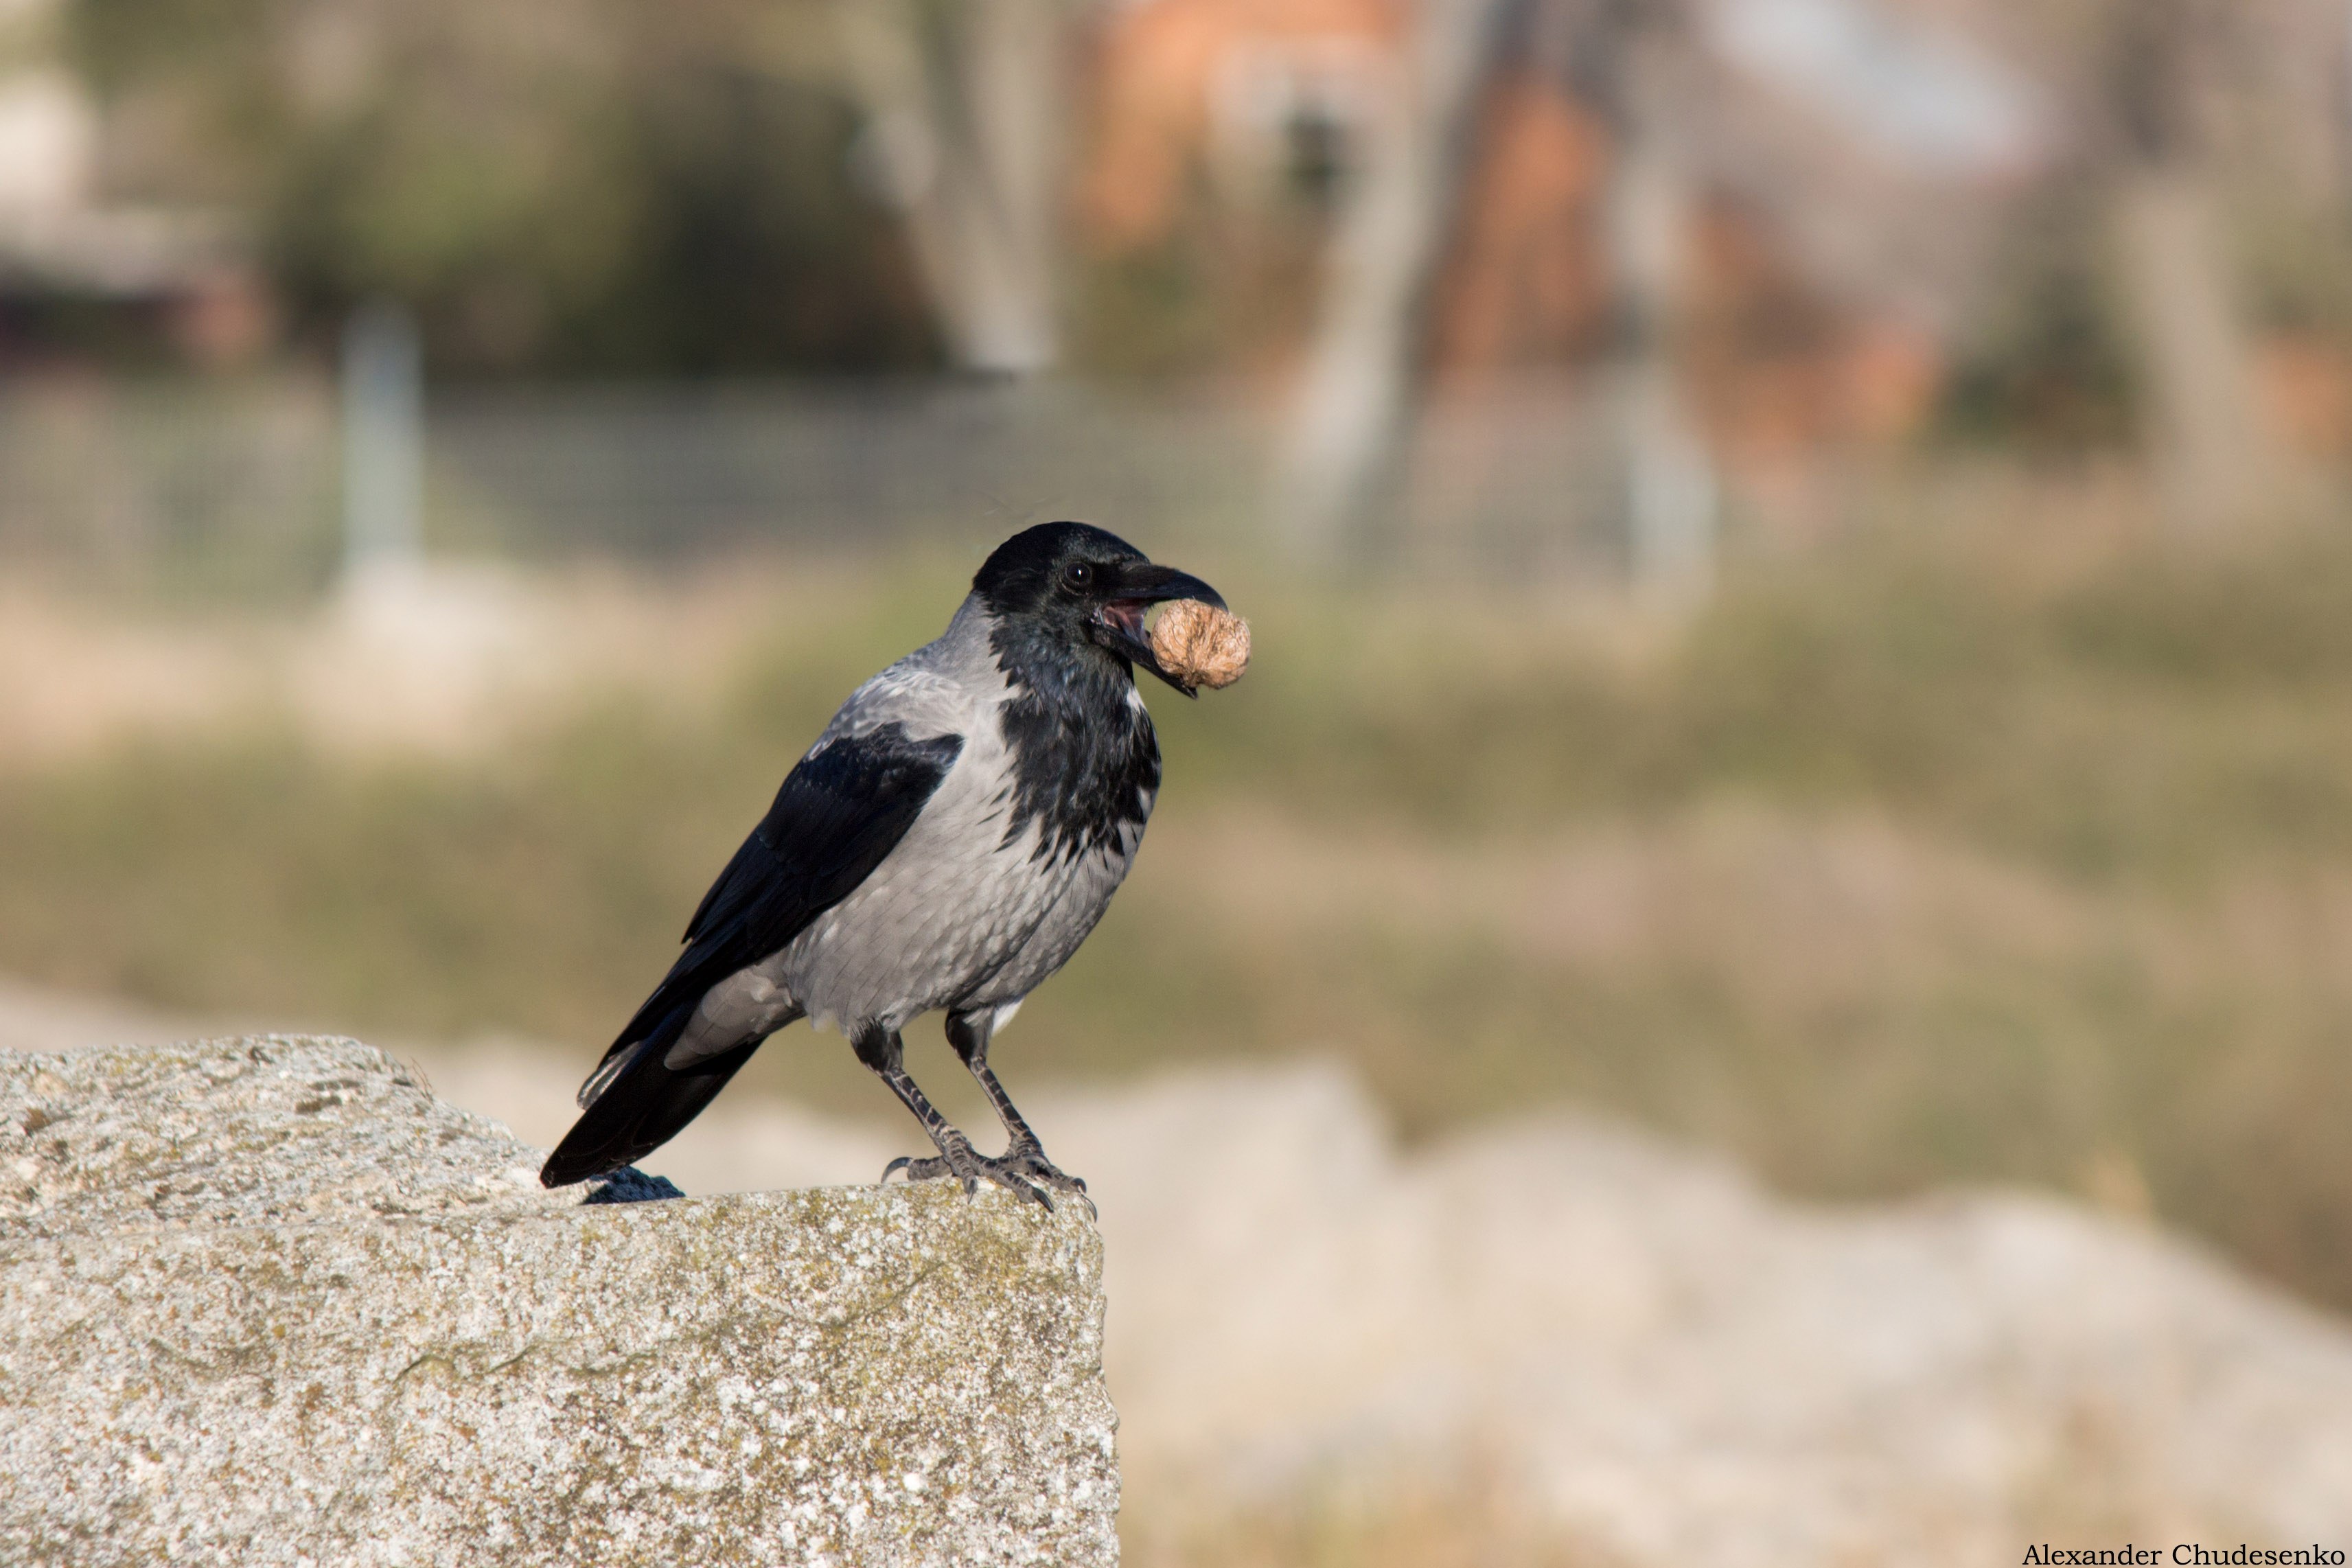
(1354, 401)
(1670, 481)
(966, 105)
(2213, 451)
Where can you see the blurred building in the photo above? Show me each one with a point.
(1848, 166)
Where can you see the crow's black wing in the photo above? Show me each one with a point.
(838, 813)
(837, 816)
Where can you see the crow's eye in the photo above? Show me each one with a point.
(1077, 574)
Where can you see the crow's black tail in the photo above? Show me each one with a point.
(643, 1108)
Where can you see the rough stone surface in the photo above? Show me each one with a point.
(265, 1301)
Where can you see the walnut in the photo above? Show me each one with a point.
(1201, 645)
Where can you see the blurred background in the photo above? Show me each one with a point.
(1797, 551)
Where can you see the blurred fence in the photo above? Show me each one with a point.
(206, 487)
(235, 487)
(655, 471)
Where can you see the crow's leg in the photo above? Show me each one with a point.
(883, 1051)
(969, 1034)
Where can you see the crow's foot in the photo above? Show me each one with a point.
(957, 1158)
(1023, 1169)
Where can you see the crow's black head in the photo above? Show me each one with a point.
(1076, 591)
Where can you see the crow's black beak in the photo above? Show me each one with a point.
(1118, 623)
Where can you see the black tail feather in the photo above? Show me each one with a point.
(639, 1111)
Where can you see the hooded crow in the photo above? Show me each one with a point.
(948, 843)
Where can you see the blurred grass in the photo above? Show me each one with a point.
(1952, 855)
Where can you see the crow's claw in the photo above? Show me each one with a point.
(1026, 1159)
